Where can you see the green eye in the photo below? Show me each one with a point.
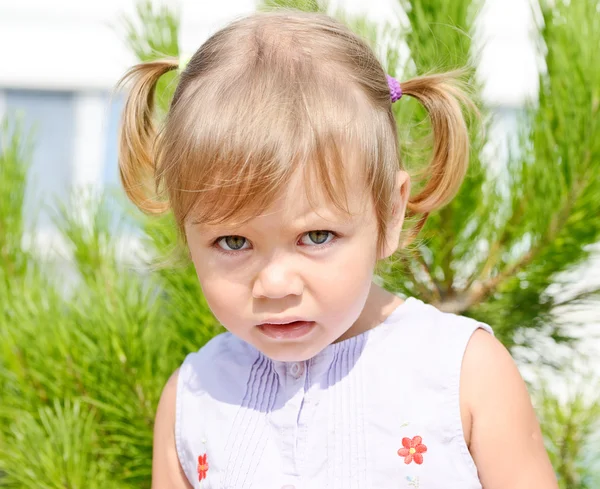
(232, 243)
(317, 237)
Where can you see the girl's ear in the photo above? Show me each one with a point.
(394, 227)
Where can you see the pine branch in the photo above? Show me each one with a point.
(579, 299)
(483, 289)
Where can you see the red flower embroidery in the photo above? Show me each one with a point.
(412, 450)
(202, 467)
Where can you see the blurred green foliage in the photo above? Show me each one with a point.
(83, 358)
(14, 164)
(571, 429)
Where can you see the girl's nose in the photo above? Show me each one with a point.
(277, 280)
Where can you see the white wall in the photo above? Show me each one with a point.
(62, 44)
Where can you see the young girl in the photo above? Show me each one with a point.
(279, 160)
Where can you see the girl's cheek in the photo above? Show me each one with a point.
(223, 302)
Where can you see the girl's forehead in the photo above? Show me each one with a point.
(297, 207)
(303, 201)
(304, 195)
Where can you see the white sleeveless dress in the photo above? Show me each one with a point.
(377, 411)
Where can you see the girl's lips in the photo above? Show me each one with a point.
(289, 331)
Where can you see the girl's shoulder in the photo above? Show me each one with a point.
(501, 418)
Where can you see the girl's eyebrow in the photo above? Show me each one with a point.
(322, 217)
(326, 215)
(213, 227)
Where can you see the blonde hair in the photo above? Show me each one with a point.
(270, 94)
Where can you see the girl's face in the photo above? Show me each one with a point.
(295, 279)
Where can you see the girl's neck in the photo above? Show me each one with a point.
(380, 304)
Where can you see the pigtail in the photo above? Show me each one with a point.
(443, 98)
(137, 135)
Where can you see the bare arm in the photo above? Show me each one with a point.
(504, 438)
(166, 470)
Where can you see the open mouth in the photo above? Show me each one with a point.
(288, 331)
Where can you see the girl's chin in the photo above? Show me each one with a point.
(298, 349)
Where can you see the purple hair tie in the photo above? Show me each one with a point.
(395, 89)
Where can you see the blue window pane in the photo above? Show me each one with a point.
(111, 168)
(50, 115)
